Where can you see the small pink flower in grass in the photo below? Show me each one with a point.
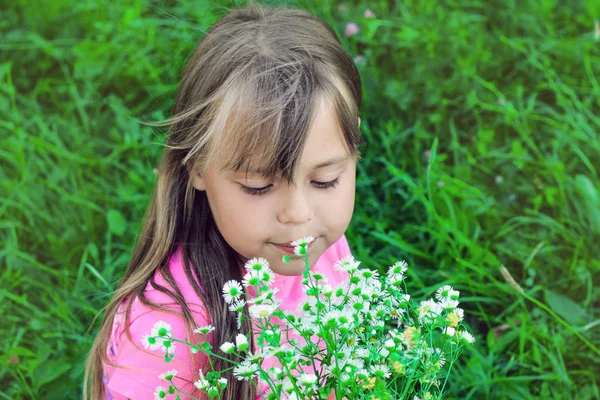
(351, 29)
(427, 155)
(359, 59)
(341, 8)
(369, 14)
(441, 183)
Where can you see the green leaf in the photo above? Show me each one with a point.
(50, 370)
(564, 306)
(116, 222)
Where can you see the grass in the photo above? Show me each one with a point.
(483, 147)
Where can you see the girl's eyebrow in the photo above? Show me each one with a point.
(333, 161)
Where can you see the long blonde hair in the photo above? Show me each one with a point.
(267, 66)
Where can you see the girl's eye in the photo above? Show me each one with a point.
(263, 190)
(256, 191)
(326, 185)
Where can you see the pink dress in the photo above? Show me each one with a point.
(140, 379)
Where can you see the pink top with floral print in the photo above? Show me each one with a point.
(139, 379)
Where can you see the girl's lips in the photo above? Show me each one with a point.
(290, 249)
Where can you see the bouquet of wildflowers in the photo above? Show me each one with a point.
(362, 339)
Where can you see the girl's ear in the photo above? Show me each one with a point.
(198, 181)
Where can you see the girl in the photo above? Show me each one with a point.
(261, 150)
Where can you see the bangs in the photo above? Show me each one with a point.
(268, 122)
(263, 118)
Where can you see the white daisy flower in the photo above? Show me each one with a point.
(362, 352)
(168, 346)
(161, 328)
(261, 310)
(227, 348)
(446, 292)
(347, 264)
(307, 380)
(237, 306)
(384, 352)
(362, 374)
(245, 371)
(380, 371)
(150, 342)
(303, 242)
(169, 375)
(205, 330)
(240, 318)
(464, 335)
(241, 342)
(232, 290)
(201, 383)
(222, 383)
(252, 278)
(389, 344)
(449, 331)
(160, 393)
(265, 297)
(448, 304)
(256, 264)
(398, 269)
(267, 276)
(428, 311)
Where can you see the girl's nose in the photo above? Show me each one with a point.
(297, 209)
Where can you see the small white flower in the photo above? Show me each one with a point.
(380, 371)
(237, 306)
(205, 330)
(389, 344)
(232, 290)
(201, 383)
(465, 336)
(446, 292)
(241, 342)
(307, 380)
(448, 304)
(362, 352)
(227, 348)
(384, 352)
(169, 375)
(267, 276)
(161, 328)
(252, 278)
(240, 318)
(245, 370)
(449, 331)
(303, 242)
(399, 268)
(261, 310)
(150, 342)
(347, 264)
(168, 346)
(256, 264)
(222, 382)
(160, 393)
(428, 311)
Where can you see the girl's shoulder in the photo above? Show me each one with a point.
(142, 362)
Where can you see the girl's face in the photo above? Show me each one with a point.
(318, 203)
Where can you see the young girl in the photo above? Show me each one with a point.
(261, 150)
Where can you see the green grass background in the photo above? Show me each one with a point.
(504, 95)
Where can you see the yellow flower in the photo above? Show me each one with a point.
(453, 319)
(370, 384)
(411, 334)
(398, 368)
